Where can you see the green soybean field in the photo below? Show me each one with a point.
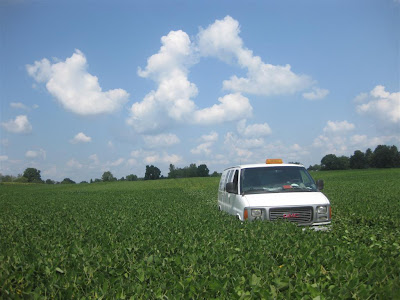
(165, 239)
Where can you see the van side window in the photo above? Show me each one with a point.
(235, 181)
(225, 179)
(229, 177)
(222, 181)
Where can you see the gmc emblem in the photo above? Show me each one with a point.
(290, 216)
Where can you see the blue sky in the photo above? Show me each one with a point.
(94, 86)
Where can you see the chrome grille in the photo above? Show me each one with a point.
(293, 214)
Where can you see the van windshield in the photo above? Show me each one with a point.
(276, 180)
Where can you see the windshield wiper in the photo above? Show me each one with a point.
(296, 190)
(260, 191)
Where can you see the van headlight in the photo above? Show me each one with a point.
(322, 210)
(256, 213)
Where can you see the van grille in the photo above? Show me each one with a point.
(293, 214)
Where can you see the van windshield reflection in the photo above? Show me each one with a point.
(276, 180)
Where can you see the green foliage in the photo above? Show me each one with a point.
(6, 178)
(385, 157)
(216, 174)
(191, 171)
(108, 176)
(315, 167)
(32, 175)
(67, 181)
(332, 162)
(152, 173)
(358, 160)
(21, 179)
(166, 239)
(202, 170)
(131, 177)
(382, 157)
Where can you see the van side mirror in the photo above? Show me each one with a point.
(320, 184)
(230, 188)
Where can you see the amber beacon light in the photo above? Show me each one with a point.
(270, 161)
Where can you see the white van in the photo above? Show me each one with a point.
(273, 191)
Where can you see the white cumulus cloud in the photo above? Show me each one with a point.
(153, 157)
(206, 142)
(18, 105)
(221, 39)
(163, 158)
(253, 130)
(36, 153)
(94, 158)
(19, 125)
(232, 107)
(203, 148)
(316, 94)
(116, 163)
(161, 140)
(362, 141)
(74, 88)
(171, 102)
(81, 138)
(211, 137)
(73, 163)
(338, 127)
(381, 105)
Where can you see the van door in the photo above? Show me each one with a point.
(233, 196)
(229, 178)
(221, 190)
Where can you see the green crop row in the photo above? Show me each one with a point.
(166, 239)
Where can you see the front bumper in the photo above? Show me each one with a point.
(326, 226)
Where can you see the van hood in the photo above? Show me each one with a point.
(286, 199)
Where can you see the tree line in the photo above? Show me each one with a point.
(32, 175)
(382, 157)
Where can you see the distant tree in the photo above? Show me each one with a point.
(358, 160)
(21, 179)
(329, 162)
(172, 171)
(49, 181)
(131, 177)
(108, 176)
(7, 178)
(191, 171)
(203, 171)
(67, 181)
(332, 162)
(343, 163)
(91, 180)
(385, 157)
(97, 180)
(122, 179)
(32, 175)
(368, 157)
(315, 167)
(216, 174)
(82, 182)
(152, 173)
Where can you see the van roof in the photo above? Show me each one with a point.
(263, 166)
